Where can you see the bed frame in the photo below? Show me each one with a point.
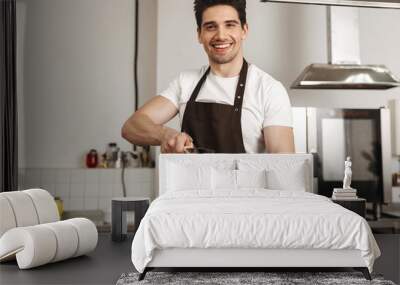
(246, 259)
(242, 259)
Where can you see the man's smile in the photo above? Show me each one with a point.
(221, 47)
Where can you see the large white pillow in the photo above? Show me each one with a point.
(251, 178)
(228, 179)
(281, 174)
(183, 177)
(224, 179)
(294, 180)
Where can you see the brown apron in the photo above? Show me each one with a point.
(216, 126)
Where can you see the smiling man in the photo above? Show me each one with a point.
(229, 106)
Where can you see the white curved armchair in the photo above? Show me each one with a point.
(31, 232)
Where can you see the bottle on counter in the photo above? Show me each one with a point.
(103, 161)
(118, 162)
(92, 159)
(145, 156)
(112, 154)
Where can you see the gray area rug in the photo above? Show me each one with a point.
(269, 278)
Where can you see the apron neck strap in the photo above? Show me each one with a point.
(240, 86)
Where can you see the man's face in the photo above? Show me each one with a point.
(221, 33)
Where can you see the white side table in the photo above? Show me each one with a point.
(119, 207)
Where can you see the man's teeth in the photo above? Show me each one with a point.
(222, 46)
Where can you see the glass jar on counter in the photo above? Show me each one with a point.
(92, 159)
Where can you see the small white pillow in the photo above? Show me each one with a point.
(188, 177)
(293, 180)
(224, 179)
(251, 178)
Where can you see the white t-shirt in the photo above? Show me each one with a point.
(265, 102)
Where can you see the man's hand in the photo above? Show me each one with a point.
(175, 142)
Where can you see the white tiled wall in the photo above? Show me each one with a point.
(89, 189)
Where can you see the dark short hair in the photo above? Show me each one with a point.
(201, 5)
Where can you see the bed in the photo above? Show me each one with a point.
(245, 211)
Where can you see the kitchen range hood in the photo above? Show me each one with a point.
(345, 76)
(344, 70)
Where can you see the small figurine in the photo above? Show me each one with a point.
(347, 173)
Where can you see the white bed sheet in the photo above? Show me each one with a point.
(251, 218)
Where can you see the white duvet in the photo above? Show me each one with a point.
(252, 218)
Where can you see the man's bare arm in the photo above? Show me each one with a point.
(279, 139)
(146, 126)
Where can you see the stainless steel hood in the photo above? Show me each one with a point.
(345, 76)
(344, 69)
